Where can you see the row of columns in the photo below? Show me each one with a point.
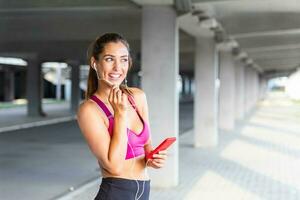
(225, 88)
(34, 87)
(187, 85)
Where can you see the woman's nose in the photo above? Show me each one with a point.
(117, 65)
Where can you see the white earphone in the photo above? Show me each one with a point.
(95, 68)
(137, 195)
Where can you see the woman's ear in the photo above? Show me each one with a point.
(93, 63)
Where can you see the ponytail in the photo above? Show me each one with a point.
(92, 84)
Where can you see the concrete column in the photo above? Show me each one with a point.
(254, 88)
(58, 84)
(183, 81)
(186, 84)
(206, 95)
(227, 89)
(247, 92)
(193, 86)
(263, 88)
(239, 90)
(159, 81)
(9, 84)
(257, 87)
(34, 88)
(75, 90)
(190, 86)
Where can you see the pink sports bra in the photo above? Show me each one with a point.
(136, 142)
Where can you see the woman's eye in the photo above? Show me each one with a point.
(124, 60)
(108, 59)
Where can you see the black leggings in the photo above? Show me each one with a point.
(122, 189)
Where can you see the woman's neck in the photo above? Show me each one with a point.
(103, 91)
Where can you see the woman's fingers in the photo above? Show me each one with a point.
(111, 95)
(117, 98)
(161, 154)
(115, 91)
(159, 159)
(124, 99)
(114, 94)
(156, 164)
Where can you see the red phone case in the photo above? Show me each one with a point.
(163, 146)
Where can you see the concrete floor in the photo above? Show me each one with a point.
(45, 162)
(259, 160)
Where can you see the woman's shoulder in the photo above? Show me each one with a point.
(138, 94)
(87, 107)
(139, 97)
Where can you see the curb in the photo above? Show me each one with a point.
(74, 192)
(37, 123)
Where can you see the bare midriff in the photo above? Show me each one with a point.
(133, 169)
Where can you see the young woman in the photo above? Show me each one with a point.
(114, 121)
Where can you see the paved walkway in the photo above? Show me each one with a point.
(259, 160)
(16, 118)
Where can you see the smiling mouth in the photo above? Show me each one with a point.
(114, 76)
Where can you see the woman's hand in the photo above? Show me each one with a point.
(118, 100)
(158, 160)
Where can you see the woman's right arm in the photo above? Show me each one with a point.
(110, 151)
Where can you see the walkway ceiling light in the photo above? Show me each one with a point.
(55, 65)
(12, 61)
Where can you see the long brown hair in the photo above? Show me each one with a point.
(94, 50)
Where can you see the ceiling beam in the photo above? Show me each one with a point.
(267, 33)
(272, 48)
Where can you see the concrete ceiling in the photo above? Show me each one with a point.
(268, 30)
(46, 4)
(59, 31)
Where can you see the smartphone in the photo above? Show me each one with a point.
(163, 146)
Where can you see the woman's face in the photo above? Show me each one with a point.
(113, 62)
